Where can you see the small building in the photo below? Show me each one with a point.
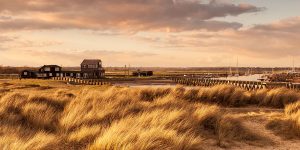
(72, 74)
(28, 74)
(48, 71)
(92, 69)
(140, 73)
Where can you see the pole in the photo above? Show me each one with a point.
(125, 70)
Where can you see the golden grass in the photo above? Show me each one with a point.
(231, 96)
(277, 98)
(121, 118)
(292, 108)
(287, 126)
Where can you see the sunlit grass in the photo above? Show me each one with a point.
(107, 117)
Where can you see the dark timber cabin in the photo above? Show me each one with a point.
(92, 69)
(28, 74)
(140, 73)
(48, 71)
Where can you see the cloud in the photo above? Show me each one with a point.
(277, 39)
(131, 15)
(4, 38)
(274, 40)
(71, 58)
(29, 24)
(21, 43)
(5, 17)
(289, 25)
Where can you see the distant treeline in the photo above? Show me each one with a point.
(16, 70)
(206, 69)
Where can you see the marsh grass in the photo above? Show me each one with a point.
(287, 126)
(89, 117)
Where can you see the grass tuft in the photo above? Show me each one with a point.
(91, 117)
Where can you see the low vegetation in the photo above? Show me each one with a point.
(89, 117)
(287, 126)
(231, 96)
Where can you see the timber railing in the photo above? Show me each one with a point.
(9, 76)
(82, 81)
(248, 85)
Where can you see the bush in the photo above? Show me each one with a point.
(287, 126)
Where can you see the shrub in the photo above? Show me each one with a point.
(288, 126)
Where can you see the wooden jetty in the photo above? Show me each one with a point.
(82, 81)
(248, 85)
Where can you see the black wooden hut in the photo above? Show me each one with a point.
(28, 74)
(48, 71)
(92, 69)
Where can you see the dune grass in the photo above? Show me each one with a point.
(122, 118)
(287, 126)
(231, 96)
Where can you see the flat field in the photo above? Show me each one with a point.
(45, 114)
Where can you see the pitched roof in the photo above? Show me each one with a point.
(28, 70)
(51, 66)
(90, 61)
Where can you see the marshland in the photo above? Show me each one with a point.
(47, 114)
(149, 74)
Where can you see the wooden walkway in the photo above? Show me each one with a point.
(248, 85)
(82, 81)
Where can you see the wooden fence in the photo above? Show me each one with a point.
(9, 76)
(82, 81)
(248, 85)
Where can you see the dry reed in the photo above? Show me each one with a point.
(128, 118)
(287, 126)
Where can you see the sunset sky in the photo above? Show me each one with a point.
(149, 33)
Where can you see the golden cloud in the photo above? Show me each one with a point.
(137, 15)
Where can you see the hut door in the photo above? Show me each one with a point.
(85, 75)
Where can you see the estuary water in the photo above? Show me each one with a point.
(253, 77)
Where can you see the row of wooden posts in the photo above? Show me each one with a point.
(248, 85)
(82, 81)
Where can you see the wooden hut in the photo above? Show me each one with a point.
(142, 73)
(48, 71)
(92, 69)
(28, 74)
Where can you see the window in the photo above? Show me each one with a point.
(57, 74)
(85, 75)
(91, 66)
(50, 74)
(78, 75)
(47, 68)
(56, 68)
(25, 73)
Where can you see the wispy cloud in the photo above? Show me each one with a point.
(4, 38)
(274, 40)
(137, 15)
(71, 58)
(145, 32)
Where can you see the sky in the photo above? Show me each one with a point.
(150, 33)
